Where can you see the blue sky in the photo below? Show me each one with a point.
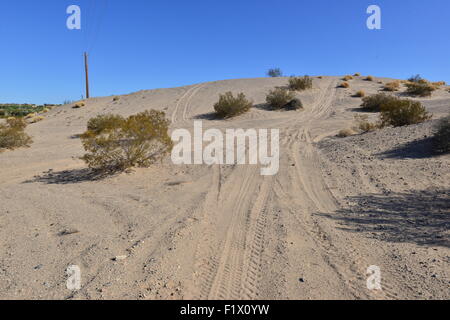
(143, 44)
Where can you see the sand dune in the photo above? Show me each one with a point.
(336, 207)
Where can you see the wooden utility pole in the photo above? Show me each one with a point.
(86, 68)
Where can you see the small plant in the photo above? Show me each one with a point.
(115, 144)
(36, 119)
(279, 98)
(229, 106)
(12, 134)
(116, 98)
(344, 85)
(78, 105)
(392, 86)
(403, 112)
(421, 88)
(360, 94)
(441, 139)
(363, 124)
(439, 84)
(346, 133)
(369, 78)
(319, 77)
(274, 73)
(373, 103)
(30, 116)
(357, 74)
(300, 83)
(347, 78)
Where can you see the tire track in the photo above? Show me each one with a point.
(180, 101)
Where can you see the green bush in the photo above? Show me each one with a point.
(104, 123)
(274, 73)
(19, 110)
(373, 103)
(279, 98)
(403, 112)
(229, 106)
(12, 134)
(114, 143)
(300, 83)
(421, 88)
(441, 139)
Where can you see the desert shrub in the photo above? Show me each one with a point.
(441, 139)
(116, 98)
(79, 105)
(18, 110)
(12, 134)
(360, 94)
(279, 98)
(275, 72)
(30, 116)
(347, 78)
(439, 84)
(421, 88)
(319, 77)
(36, 119)
(344, 85)
(403, 112)
(369, 78)
(114, 143)
(392, 86)
(300, 83)
(346, 133)
(373, 103)
(104, 123)
(229, 106)
(357, 74)
(363, 124)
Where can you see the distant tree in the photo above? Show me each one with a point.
(276, 72)
(417, 78)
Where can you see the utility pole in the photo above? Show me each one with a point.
(86, 68)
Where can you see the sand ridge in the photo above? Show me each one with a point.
(226, 232)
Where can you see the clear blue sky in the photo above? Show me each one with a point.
(145, 44)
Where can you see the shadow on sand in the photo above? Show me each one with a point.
(70, 176)
(419, 217)
(417, 149)
(207, 116)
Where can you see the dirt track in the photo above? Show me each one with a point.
(213, 232)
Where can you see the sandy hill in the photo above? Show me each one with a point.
(336, 207)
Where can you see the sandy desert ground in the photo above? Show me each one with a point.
(336, 207)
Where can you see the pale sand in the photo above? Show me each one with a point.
(336, 207)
